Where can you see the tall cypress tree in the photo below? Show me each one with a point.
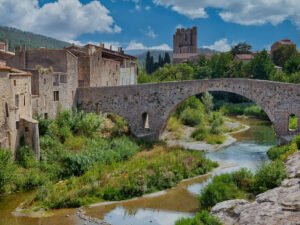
(148, 65)
(160, 61)
(167, 59)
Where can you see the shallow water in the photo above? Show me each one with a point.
(160, 209)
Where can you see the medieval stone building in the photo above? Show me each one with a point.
(284, 42)
(5, 54)
(54, 78)
(185, 47)
(98, 66)
(16, 110)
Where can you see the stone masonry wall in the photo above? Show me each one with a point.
(158, 101)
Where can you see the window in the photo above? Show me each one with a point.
(293, 123)
(63, 79)
(45, 81)
(17, 100)
(15, 83)
(6, 110)
(145, 118)
(26, 129)
(24, 100)
(56, 80)
(56, 96)
(17, 125)
(46, 116)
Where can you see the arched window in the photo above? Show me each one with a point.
(293, 123)
(145, 118)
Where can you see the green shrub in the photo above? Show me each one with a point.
(215, 139)
(269, 176)
(75, 143)
(200, 133)
(201, 218)
(297, 141)
(120, 125)
(192, 103)
(191, 117)
(174, 126)
(7, 170)
(219, 190)
(25, 157)
(276, 151)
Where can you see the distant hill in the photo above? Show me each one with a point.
(17, 38)
(141, 54)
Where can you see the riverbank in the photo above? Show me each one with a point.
(280, 206)
(187, 142)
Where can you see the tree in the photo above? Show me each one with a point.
(241, 48)
(160, 61)
(148, 65)
(167, 59)
(282, 54)
(220, 64)
(208, 101)
(261, 66)
(292, 65)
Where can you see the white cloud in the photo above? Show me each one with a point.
(245, 12)
(149, 32)
(147, 8)
(134, 45)
(221, 45)
(63, 19)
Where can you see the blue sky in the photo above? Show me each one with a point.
(150, 24)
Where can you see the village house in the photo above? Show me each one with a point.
(99, 66)
(245, 58)
(284, 42)
(16, 121)
(54, 78)
(5, 54)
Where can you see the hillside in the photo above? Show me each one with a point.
(17, 38)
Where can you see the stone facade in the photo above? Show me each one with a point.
(5, 54)
(54, 79)
(185, 45)
(98, 66)
(152, 104)
(16, 110)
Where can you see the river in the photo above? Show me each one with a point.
(162, 208)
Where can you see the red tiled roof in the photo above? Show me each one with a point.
(244, 56)
(14, 71)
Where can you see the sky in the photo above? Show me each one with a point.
(150, 24)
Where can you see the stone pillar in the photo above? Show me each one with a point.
(36, 140)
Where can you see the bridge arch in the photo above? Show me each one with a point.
(177, 104)
(158, 100)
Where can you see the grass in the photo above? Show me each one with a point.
(242, 184)
(175, 126)
(146, 172)
(282, 152)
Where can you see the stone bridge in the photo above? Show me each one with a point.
(147, 107)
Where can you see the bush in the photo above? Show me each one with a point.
(75, 143)
(200, 133)
(269, 176)
(191, 117)
(25, 157)
(215, 139)
(7, 170)
(192, 103)
(201, 218)
(222, 188)
(174, 126)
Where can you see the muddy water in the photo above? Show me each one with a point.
(161, 208)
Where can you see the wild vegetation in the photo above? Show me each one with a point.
(87, 158)
(199, 114)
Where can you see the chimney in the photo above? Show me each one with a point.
(101, 45)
